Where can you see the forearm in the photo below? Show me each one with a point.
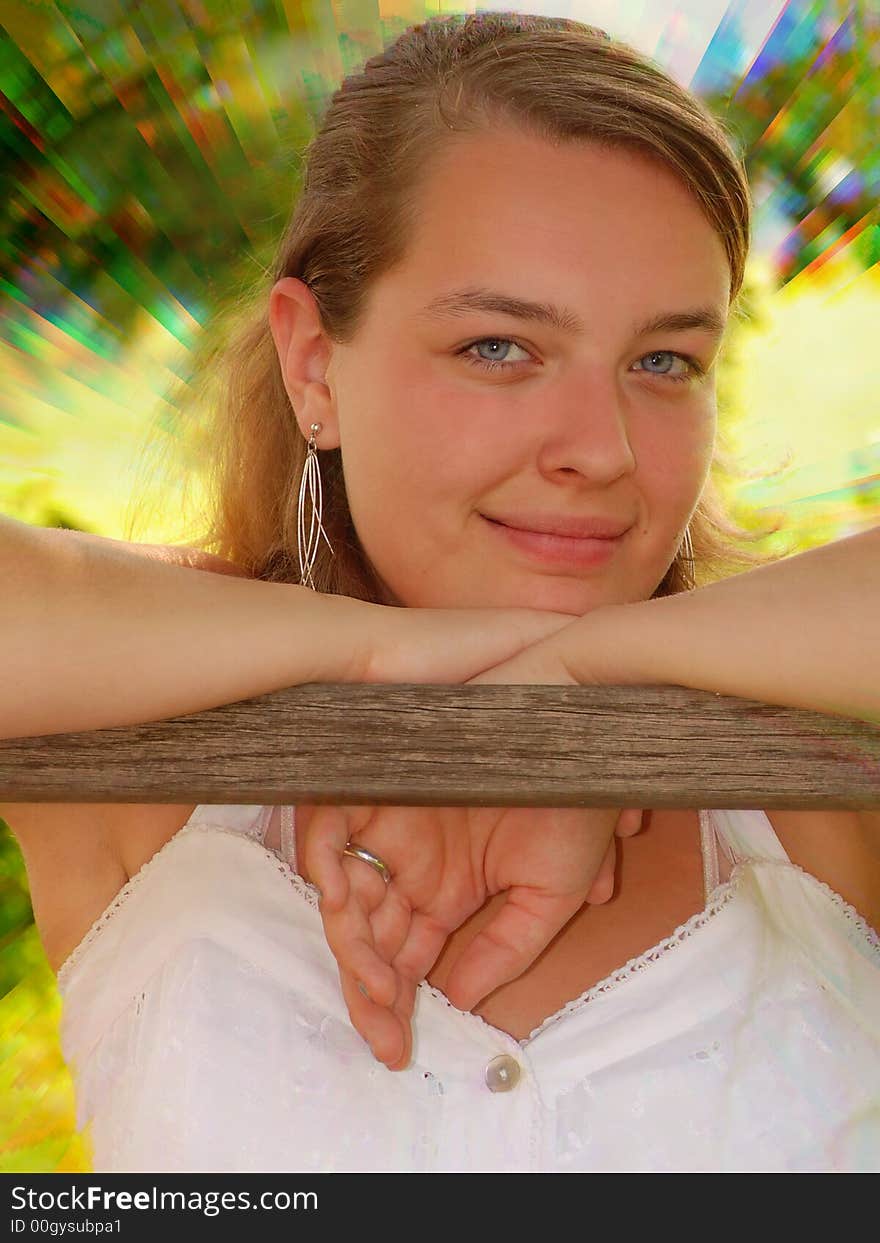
(95, 635)
(803, 633)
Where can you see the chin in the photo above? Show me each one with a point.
(553, 597)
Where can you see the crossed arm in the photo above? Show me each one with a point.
(800, 633)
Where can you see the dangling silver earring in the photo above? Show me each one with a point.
(311, 481)
(686, 552)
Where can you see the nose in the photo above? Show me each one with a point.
(584, 428)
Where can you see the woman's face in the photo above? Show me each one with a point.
(608, 418)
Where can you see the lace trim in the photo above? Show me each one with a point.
(309, 893)
(722, 896)
(110, 910)
(636, 965)
(716, 897)
(476, 1020)
(857, 923)
(305, 890)
(256, 833)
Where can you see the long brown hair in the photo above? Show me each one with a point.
(552, 77)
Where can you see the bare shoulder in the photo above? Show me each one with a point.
(79, 855)
(840, 848)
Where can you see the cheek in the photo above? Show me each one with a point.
(403, 472)
(436, 443)
(675, 453)
(410, 421)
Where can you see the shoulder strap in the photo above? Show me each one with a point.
(748, 834)
(288, 836)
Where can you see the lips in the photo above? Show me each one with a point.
(561, 553)
(568, 527)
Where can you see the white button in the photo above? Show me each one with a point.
(502, 1073)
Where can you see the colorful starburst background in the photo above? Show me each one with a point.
(150, 157)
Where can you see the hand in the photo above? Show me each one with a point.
(541, 664)
(445, 864)
(443, 646)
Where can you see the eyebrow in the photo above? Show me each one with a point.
(462, 301)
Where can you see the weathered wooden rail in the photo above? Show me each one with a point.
(481, 746)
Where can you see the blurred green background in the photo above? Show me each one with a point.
(150, 156)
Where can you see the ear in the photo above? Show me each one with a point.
(304, 353)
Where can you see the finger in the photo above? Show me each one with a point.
(391, 926)
(412, 945)
(425, 939)
(509, 943)
(349, 935)
(602, 888)
(387, 1030)
(388, 914)
(629, 822)
(389, 1038)
(329, 829)
(403, 1010)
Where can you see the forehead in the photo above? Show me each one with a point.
(571, 222)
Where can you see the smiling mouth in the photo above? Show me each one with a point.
(579, 552)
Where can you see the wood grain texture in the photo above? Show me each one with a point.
(489, 746)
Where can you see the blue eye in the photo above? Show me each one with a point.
(489, 364)
(661, 363)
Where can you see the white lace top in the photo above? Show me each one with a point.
(205, 1027)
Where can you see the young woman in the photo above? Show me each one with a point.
(490, 335)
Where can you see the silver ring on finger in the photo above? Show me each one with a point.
(367, 856)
